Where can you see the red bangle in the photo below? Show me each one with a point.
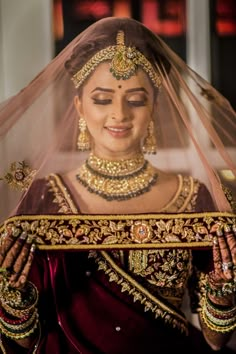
(12, 320)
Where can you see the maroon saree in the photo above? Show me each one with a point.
(95, 302)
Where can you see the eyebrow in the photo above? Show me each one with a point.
(102, 89)
(135, 89)
(142, 89)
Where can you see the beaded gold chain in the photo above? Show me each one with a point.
(117, 180)
(124, 63)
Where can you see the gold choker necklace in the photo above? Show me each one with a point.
(117, 180)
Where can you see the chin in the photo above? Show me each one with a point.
(122, 150)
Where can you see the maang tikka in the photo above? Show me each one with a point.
(83, 141)
(150, 141)
(124, 63)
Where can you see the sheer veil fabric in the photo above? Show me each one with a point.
(194, 124)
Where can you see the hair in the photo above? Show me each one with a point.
(103, 34)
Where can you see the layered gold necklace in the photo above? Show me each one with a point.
(117, 180)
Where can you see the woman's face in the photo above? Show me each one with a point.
(117, 112)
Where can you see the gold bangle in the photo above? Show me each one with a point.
(6, 299)
(21, 326)
(21, 335)
(219, 329)
(217, 312)
(218, 321)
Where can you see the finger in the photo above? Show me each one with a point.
(216, 254)
(225, 255)
(25, 271)
(13, 252)
(21, 260)
(234, 229)
(231, 241)
(8, 241)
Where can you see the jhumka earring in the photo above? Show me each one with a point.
(150, 142)
(83, 141)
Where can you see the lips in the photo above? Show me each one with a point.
(118, 131)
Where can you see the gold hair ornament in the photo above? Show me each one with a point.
(124, 63)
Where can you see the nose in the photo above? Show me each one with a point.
(120, 112)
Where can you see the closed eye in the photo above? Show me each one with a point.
(136, 103)
(102, 102)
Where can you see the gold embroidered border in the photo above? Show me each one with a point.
(139, 293)
(2, 347)
(183, 201)
(34, 348)
(145, 231)
(61, 195)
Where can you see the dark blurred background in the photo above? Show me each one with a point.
(167, 18)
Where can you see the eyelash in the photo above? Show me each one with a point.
(103, 102)
(137, 103)
(131, 103)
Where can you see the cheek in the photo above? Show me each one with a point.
(92, 115)
(95, 122)
(94, 111)
(143, 122)
(143, 130)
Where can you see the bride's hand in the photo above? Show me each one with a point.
(16, 257)
(223, 278)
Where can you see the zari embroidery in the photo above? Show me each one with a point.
(20, 176)
(79, 231)
(61, 195)
(2, 346)
(168, 268)
(146, 262)
(138, 292)
(185, 197)
(162, 268)
(229, 195)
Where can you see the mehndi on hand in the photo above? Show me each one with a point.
(18, 297)
(219, 305)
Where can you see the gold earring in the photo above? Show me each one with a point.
(83, 141)
(150, 142)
